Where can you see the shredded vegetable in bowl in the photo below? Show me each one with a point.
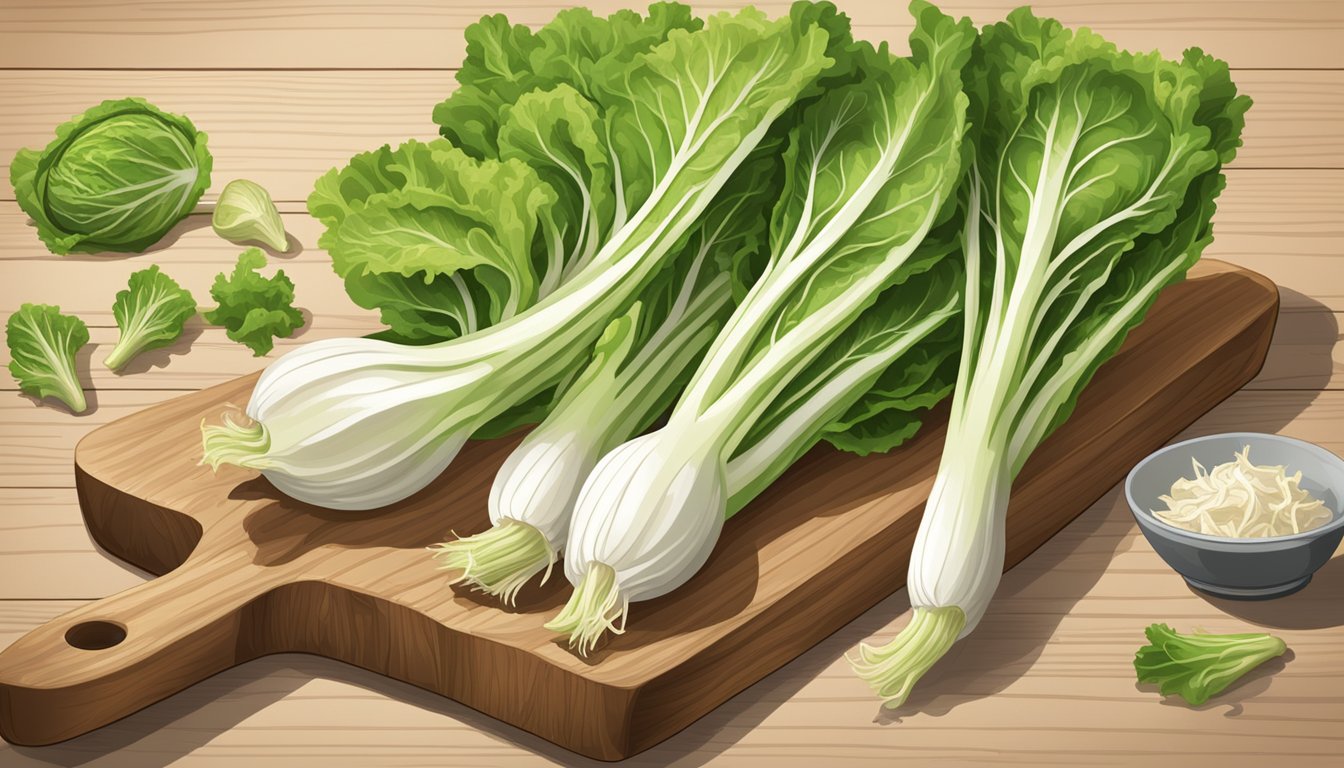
(1242, 501)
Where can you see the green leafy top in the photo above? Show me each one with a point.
(245, 212)
(441, 243)
(553, 125)
(115, 178)
(42, 347)
(253, 309)
(1093, 183)
(870, 172)
(151, 312)
(1199, 666)
(505, 61)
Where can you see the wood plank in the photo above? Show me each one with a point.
(1285, 224)
(403, 33)
(282, 576)
(1045, 680)
(1289, 227)
(1306, 353)
(284, 129)
(37, 440)
(46, 551)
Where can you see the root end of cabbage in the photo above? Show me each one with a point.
(498, 562)
(595, 608)
(233, 442)
(893, 669)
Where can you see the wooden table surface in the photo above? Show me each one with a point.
(289, 89)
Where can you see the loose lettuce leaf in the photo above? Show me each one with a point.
(253, 309)
(115, 178)
(442, 244)
(42, 347)
(151, 312)
(1200, 666)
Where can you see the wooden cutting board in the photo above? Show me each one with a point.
(249, 572)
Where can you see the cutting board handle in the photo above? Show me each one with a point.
(127, 651)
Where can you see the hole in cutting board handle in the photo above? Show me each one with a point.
(95, 635)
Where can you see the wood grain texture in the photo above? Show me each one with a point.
(246, 34)
(284, 129)
(46, 551)
(824, 544)
(1307, 354)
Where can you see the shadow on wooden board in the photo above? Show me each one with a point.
(1003, 649)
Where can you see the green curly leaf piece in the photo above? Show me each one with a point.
(42, 347)
(1198, 667)
(151, 312)
(253, 309)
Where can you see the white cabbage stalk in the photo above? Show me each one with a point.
(664, 496)
(625, 387)
(996, 421)
(1092, 186)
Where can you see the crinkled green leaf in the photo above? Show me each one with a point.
(557, 132)
(42, 347)
(151, 312)
(115, 178)
(849, 59)
(442, 244)
(1198, 667)
(505, 61)
(254, 310)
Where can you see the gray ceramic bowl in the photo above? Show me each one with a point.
(1242, 569)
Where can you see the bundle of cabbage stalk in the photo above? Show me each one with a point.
(793, 235)
(605, 161)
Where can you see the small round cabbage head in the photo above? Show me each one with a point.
(116, 178)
